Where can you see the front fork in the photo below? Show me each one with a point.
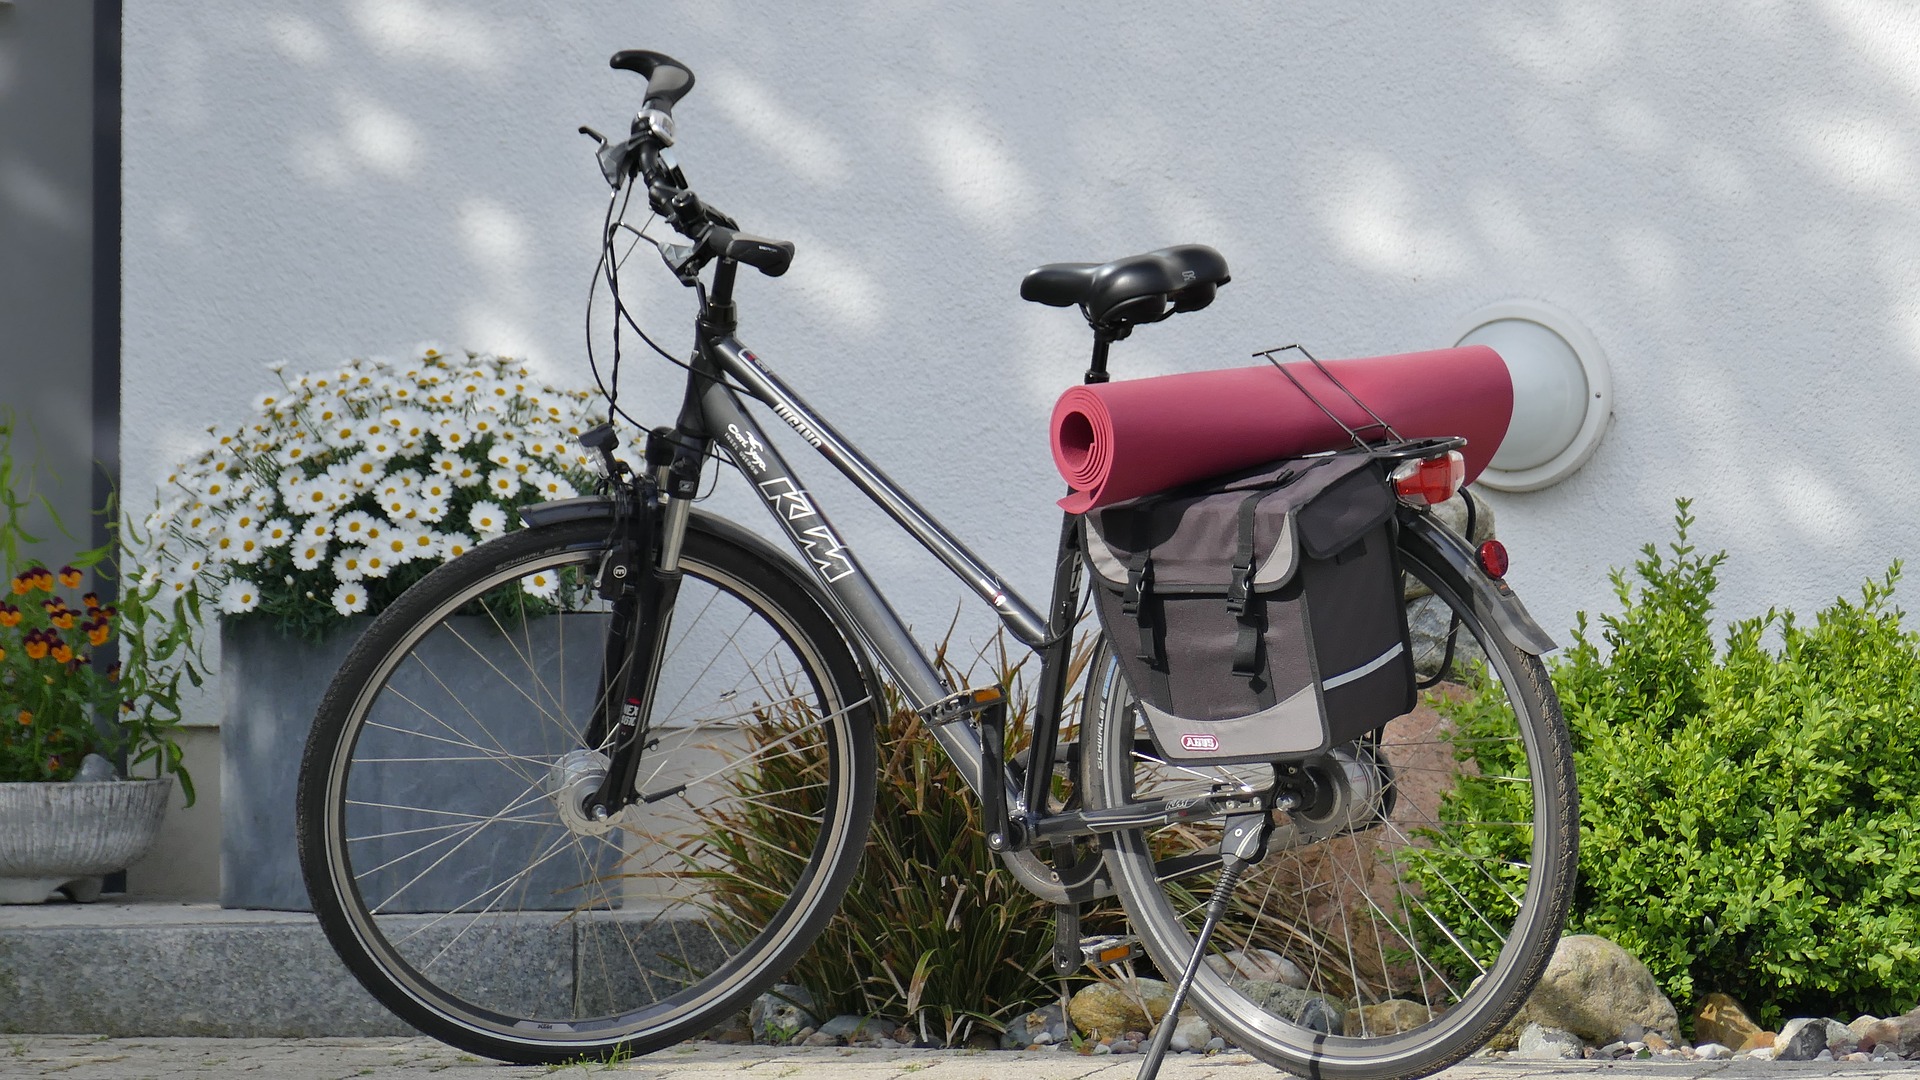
(641, 578)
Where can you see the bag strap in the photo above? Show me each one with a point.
(1246, 650)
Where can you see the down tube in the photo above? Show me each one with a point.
(834, 564)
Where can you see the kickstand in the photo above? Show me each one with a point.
(1243, 844)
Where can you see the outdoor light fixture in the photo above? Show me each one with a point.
(1562, 392)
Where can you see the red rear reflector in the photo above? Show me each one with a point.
(1493, 559)
(1430, 481)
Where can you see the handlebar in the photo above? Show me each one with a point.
(715, 235)
(668, 80)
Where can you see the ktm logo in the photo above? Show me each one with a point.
(1200, 742)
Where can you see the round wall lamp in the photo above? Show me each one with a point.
(1562, 392)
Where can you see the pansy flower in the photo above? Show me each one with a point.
(92, 600)
(97, 632)
(36, 645)
(69, 577)
(60, 650)
(9, 615)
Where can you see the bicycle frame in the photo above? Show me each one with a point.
(714, 414)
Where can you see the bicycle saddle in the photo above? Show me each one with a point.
(1118, 295)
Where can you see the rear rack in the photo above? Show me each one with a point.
(1394, 447)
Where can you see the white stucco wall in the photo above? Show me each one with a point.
(1727, 194)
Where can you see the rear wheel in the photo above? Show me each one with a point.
(440, 821)
(1391, 930)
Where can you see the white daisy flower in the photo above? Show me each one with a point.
(467, 474)
(239, 595)
(355, 527)
(544, 584)
(431, 510)
(363, 470)
(350, 598)
(307, 555)
(318, 527)
(350, 564)
(551, 485)
(453, 544)
(399, 506)
(503, 483)
(487, 518)
(277, 533)
(396, 546)
(376, 563)
(422, 544)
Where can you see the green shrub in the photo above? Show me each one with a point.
(933, 930)
(1748, 812)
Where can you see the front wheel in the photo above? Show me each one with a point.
(1391, 936)
(440, 822)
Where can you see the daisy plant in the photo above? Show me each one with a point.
(349, 484)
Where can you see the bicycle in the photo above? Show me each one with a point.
(592, 709)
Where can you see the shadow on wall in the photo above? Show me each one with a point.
(1725, 194)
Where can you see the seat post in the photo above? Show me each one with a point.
(1097, 369)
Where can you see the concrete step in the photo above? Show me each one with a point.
(153, 968)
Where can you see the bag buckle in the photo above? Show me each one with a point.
(1139, 584)
(1239, 588)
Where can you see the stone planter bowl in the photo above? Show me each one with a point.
(64, 836)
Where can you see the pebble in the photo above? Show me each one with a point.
(1215, 1045)
(1712, 1051)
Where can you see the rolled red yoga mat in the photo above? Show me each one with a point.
(1115, 441)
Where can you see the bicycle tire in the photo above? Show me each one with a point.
(526, 934)
(1393, 909)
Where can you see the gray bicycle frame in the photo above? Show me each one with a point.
(832, 562)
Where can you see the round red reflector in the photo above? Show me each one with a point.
(1493, 559)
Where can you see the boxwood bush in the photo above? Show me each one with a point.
(1748, 809)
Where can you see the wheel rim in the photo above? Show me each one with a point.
(566, 930)
(1440, 902)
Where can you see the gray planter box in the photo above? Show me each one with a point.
(273, 685)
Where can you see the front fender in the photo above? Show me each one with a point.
(1493, 600)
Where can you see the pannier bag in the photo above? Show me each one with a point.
(1257, 616)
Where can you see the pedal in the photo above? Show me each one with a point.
(1109, 949)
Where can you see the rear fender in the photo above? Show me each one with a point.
(1493, 600)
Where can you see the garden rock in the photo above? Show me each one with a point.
(1802, 1039)
(1598, 991)
(1264, 965)
(1102, 1010)
(1712, 1051)
(1390, 1017)
(1302, 1007)
(855, 1029)
(1041, 1027)
(780, 1013)
(1899, 1035)
(1721, 1019)
(1545, 1043)
(1191, 1033)
(1759, 1040)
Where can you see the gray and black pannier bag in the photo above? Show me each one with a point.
(1259, 616)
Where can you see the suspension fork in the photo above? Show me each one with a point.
(641, 576)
